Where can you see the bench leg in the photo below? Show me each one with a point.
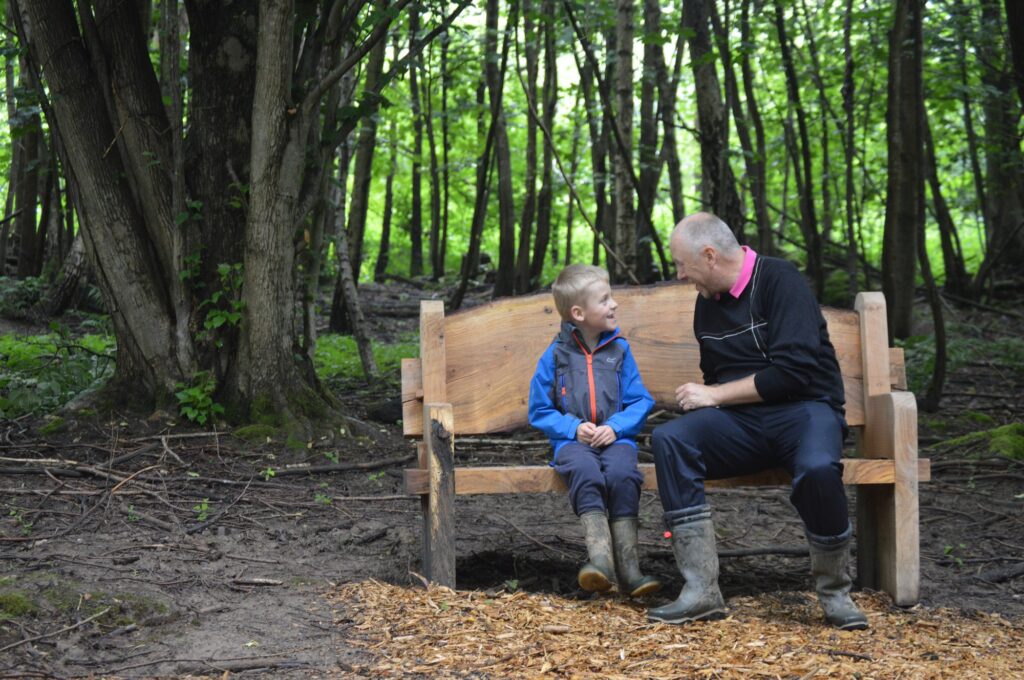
(888, 552)
(439, 505)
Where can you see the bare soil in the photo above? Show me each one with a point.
(152, 549)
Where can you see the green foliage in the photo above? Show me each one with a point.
(267, 474)
(964, 347)
(202, 510)
(224, 306)
(17, 296)
(337, 357)
(14, 604)
(40, 373)
(195, 401)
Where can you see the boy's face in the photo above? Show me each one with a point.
(597, 313)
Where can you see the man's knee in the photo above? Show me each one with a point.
(820, 473)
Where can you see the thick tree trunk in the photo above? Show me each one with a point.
(647, 155)
(903, 203)
(150, 357)
(27, 196)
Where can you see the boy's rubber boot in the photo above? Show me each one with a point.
(627, 561)
(693, 543)
(830, 559)
(598, 573)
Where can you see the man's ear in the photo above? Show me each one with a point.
(576, 312)
(709, 254)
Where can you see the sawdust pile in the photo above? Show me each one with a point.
(444, 633)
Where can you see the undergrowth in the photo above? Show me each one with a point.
(965, 347)
(41, 373)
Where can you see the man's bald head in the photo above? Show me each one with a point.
(698, 230)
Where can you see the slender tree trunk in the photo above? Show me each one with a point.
(759, 181)
(804, 171)
(1015, 26)
(529, 207)
(848, 156)
(69, 284)
(416, 219)
(347, 281)
(824, 108)
(667, 89)
(933, 395)
(549, 95)
(598, 151)
(957, 281)
(381, 268)
(903, 215)
(505, 282)
(445, 148)
(27, 196)
(436, 259)
(570, 208)
(962, 21)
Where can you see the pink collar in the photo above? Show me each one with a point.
(745, 273)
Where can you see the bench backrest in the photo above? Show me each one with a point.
(481, 360)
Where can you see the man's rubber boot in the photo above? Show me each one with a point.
(627, 561)
(599, 572)
(693, 543)
(830, 559)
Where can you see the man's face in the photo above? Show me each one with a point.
(695, 268)
(597, 314)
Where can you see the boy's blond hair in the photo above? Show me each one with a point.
(572, 284)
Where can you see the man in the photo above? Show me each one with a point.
(772, 396)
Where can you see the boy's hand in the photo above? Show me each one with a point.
(585, 432)
(603, 436)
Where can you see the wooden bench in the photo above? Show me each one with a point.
(473, 377)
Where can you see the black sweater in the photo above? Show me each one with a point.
(775, 331)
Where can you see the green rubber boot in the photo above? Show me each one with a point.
(627, 561)
(598, 573)
(830, 560)
(693, 543)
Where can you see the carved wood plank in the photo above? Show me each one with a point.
(543, 478)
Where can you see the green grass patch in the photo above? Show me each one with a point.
(337, 357)
(14, 604)
(40, 373)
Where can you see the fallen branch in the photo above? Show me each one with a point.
(56, 632)
(341, 467)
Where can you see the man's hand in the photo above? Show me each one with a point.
(585, 433)
(603, 436)
(692, 396)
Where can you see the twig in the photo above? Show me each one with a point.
(341, 467)
(56, 632)
(543, 545)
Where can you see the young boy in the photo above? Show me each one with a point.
(587, 397)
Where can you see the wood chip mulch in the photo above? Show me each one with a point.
(438, 632)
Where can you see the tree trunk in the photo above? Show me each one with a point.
(1015, 28)
(416, 217)
(759, 182)
(903, 217)
(150, 358)
(718, 184)
(957, 281)
(527, 213)
(598, 151)
(549, 95)
(667, 88)
(381, 268)
(436, 255)
(505, 282)
(27, 195)
(804, 171)
(848, 123)
(648, 157)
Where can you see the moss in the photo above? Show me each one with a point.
(295, 443)
(1007, 440)
(14, 604)
(256, 433)
(55, 425)
(979, 418)
(263, 412)
(138, 609)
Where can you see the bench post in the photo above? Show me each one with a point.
(888, 531)
(433, 365)
(440, 518)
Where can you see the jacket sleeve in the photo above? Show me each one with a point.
(543, 413)
(636, 400)
(794, 336)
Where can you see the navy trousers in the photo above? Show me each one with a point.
(805, 438)
(604, 480)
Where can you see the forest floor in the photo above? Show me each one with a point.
(152, 549)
